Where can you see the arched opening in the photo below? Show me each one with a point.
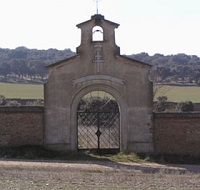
(98, 120)
(97, 33)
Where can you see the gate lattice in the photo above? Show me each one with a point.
(98, 130)
(98, 120)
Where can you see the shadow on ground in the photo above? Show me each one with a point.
(168, 164)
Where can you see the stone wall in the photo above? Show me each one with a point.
(177, 133)
(21, 126)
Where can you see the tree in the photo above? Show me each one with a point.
(4, 69)
(158, 75)
(171, 68)
(17, 67)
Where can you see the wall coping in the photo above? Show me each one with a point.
(24, 109)
(176, 114)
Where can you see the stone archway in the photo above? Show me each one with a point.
(122, 116)
(98, 66)
(98, 123)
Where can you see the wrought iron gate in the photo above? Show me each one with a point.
(98, 130)
(98, 124)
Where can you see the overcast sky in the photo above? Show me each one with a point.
(152, 26)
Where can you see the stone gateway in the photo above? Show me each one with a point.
(98, 74)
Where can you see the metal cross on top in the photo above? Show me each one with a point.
(97, 5)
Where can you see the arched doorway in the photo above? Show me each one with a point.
(98, 120)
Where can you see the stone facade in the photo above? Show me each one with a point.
(21, 126)
(98, 65)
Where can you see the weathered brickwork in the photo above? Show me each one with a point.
(21, 126)
(177, 133)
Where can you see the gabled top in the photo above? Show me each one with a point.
(97, 50)
(98, 18)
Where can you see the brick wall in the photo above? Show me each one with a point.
(177, 133)
(21, 126)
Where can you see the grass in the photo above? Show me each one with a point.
(121, 157)
(180, 93)
(23, 91)
(28, 91)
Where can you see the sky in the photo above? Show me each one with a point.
(151, 26)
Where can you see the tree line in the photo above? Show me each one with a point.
(180, 68)
(23, 64)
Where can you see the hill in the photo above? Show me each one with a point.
(23, 65)
(180, 68)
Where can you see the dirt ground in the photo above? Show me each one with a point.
(29, 175)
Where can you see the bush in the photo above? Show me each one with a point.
(3, 100)
(161, 105)
(186, 106)
(13, 103)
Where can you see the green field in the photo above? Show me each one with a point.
(180, 93)
(28, 91)
(23, 91)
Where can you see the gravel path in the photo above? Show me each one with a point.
(25, 175)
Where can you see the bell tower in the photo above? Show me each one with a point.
(97, 31)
